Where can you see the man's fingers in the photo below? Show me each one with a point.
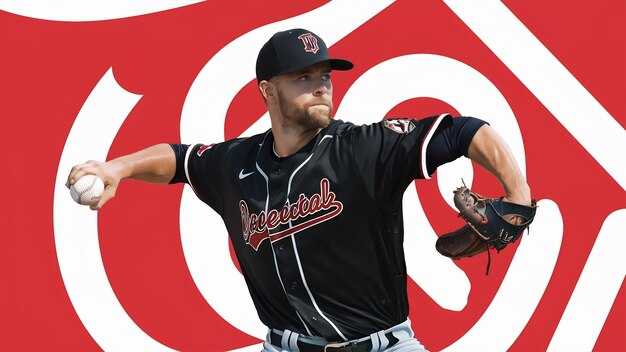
(100, 203)
(100, 169)
(514, 219)
(71, 178)
(79, 171)
(109, 192)
(90, 167)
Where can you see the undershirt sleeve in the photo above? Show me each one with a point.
(180, 150)
(451, 142)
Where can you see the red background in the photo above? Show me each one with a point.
(48, 68)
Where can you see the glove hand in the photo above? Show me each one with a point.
(514, 219)
(521, 198)
(490, 223)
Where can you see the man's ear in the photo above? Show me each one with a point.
(267, 90)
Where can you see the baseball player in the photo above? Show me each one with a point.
(313, 206)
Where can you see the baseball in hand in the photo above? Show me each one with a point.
(87, 190)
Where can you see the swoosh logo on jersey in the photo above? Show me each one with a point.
(242, 175)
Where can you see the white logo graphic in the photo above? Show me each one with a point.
(242, 175)
(108, 323)
(504, 236)
(107, 106)
(401, 126)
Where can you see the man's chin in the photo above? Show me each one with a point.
(321, 120)
(320, 113)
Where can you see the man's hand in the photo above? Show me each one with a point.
(522, 197)
(110, 173)
(156, 164)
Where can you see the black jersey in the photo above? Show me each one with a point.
(319, 234)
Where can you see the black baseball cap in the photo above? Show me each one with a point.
(293, 50)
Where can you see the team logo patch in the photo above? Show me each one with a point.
(310, 43)
(402, 126)
(204, 148)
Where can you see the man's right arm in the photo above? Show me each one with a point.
(156, 164)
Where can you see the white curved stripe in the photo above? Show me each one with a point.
(88, 10)
(522, 287)
(205, 241)
(596, 290)
(437, 275)
(76, 227)
(439, 77)
(205, 244)
(233, 66)
(472, 94)
(261, 125)
(452, 175)
(542, 73)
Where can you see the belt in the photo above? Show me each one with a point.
(362, 346)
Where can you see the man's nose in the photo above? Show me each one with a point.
(321, 87)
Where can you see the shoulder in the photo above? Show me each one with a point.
(238, 144)
(398, 125)
(246, 141)
(231, 149)
(340, 128)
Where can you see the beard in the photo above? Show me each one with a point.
(314, 115)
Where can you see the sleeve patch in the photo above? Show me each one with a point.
(401, 126)
(203, 148)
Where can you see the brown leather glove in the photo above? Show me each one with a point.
(490, 223)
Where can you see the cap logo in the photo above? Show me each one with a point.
(310, 43)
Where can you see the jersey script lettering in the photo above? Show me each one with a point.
(257, 227)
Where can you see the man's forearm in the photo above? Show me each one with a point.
(156, 164)
(490, 151)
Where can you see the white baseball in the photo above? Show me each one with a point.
(87, 190)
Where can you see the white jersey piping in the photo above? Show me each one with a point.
(267, 201)
(427, 138)
(187, 154)
(295, 247)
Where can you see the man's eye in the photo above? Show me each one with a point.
(326, 78)
(303, 78)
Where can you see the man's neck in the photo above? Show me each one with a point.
(288, 141)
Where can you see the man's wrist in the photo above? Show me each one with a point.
(519, 194)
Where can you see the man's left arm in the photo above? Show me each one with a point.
(490, 151)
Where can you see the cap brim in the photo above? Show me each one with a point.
(335, 64)
(341, 64)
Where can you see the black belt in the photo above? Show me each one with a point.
(363, 346)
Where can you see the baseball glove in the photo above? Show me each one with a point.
(489, 224)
